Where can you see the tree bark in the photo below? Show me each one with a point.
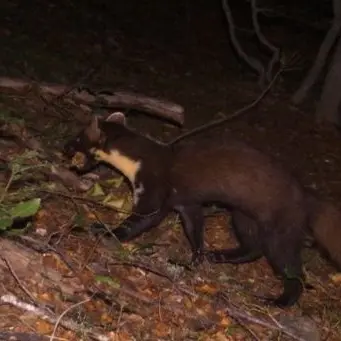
(108, 98)
(321, 57)
(328, 108)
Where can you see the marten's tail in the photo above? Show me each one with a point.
(326, 228)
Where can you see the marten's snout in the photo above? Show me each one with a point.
(69, 150)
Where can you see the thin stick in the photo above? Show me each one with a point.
(65, 312)
(77, 197)
(22, 287)
(143, 267)
(230, 117)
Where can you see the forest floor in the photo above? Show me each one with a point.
(134, 291)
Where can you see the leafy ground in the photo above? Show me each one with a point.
(180, 52)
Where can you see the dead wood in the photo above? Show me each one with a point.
(22, 259)
(28, 265)
(108, 98)
(13, 336)
(328, 108)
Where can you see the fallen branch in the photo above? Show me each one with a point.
(59, 320)
(23, 287)
(27, 264)
(108, 99)
(239, 314)
(16, 336)
(66, 323)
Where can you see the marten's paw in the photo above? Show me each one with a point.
(99, 229)
(197, 258)
(121, 233)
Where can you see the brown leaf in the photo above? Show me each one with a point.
(206, 288)
(43, 327)
(336, 278)
(161, 330)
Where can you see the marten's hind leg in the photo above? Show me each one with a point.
(246, 231)
(283, 252)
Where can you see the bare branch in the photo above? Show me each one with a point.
(46, 316)
(233, 115)
(264, 41)
(253, 63)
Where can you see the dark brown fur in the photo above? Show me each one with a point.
(271, 212)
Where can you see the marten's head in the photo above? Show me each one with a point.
(107, 141)
(82, 148)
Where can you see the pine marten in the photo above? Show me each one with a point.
(271, 211)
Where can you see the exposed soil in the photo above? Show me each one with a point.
(180, 52)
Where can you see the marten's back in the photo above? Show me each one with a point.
(228, 170)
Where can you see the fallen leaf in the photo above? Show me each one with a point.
(336, 278)
(78, 159)
(96, 190)
(43, 327)
(220, 337)
(161, 330)
(206, 288)
(115, 182)
(121, 336)
(106, 318)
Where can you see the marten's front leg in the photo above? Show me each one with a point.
(149, 211)
(193, 226)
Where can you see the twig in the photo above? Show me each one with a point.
(76, 197)
(22, 287)
(68, 324)
(72, 87)
(119, 317)
(236, 313)
(275, 51)
(255, 64)
(8, 184)
(53, 102)
(42, 248)
(20, 336)
(64, 313)
(248, 329)
(143, 267)
(233, 115)
(90, 254)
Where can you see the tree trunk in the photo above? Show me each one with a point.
(321, 58)
(329, 104)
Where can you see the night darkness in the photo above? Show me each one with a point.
(181, 52)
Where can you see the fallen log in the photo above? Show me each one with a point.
(101, 98)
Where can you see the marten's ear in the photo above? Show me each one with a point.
(93, 131)
(117, 117)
